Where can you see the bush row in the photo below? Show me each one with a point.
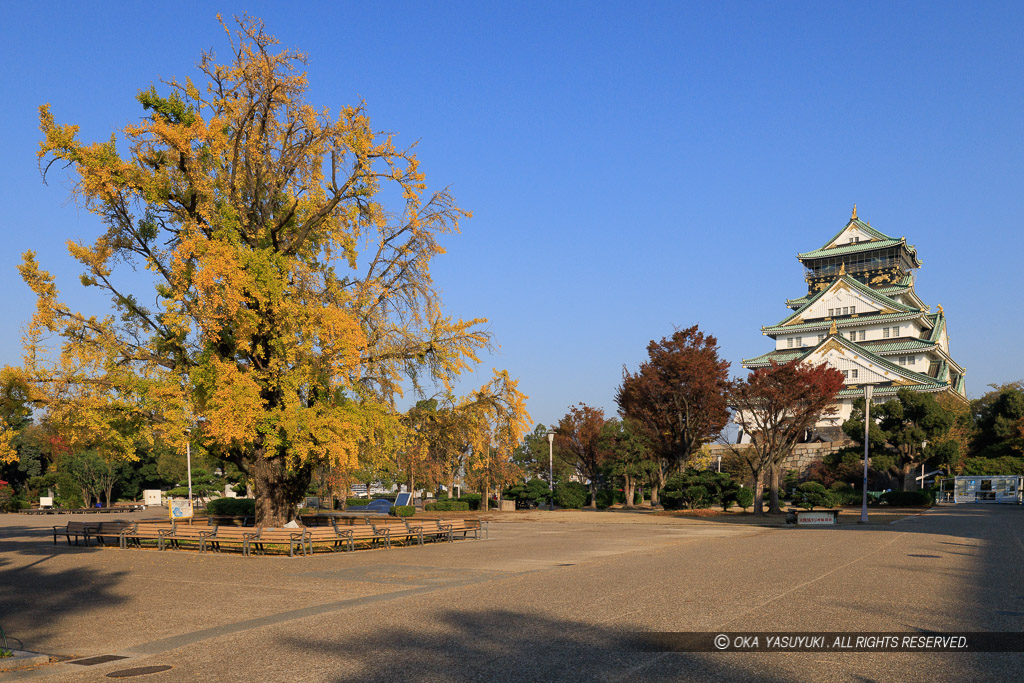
(446, 506)
(232, 506)
(402, 510)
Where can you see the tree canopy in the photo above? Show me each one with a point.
(289, 304)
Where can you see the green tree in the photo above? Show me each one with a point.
(629, 456)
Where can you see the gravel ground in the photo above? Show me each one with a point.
(550, 596)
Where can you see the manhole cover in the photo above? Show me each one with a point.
(102, 659)
(138, 671)
(935, 556)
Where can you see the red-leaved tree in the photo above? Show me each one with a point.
(776, 406)
(578, 442)
(678, 397)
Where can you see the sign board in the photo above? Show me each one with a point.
(180, 509)
(403, 499)
(46, 501)
(810, 518)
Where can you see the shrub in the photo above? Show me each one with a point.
(570, 495)
(402, 510)
(744, 497)
(446, 506)
(9, 500)
(526, 495)
(908, 498)
(473, 499)
(606, 498)
(698, 489)
(811, 494)
(234, 507)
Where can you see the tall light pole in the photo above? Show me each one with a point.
(188, 463)
(867, 440)
(551, 471)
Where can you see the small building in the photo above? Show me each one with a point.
(982, 489)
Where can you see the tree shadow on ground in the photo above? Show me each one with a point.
(502, 645)
(39, 590)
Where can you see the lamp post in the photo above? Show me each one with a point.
(867, 440)
(551, 471)
(188, 463)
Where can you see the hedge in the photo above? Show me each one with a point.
(570, 495)
(446, 506)
(402, 510)
(239, 507)
(908, 498)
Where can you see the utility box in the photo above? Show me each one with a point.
(46, 502)
(152, 498)
(507, 506)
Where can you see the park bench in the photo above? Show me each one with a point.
(146, 531)
(337, 538)
(468, 526)
(81, 530)
(228, 536)
(265, 536)
(394, 531)
(109, 531)
(430, 529)
(189, 534)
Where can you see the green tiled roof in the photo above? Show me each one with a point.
(854, 284)
(862, 226)
(779, 356)
(898, 346)
(924, 381)
(890, 390)
(849, 249)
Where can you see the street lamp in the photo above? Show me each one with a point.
(551, 471)
(867, 440)
(188, 464)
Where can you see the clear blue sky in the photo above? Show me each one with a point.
(631, 166)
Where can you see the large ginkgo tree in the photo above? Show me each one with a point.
(287, 304)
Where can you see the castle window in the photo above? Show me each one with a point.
(846, 310)
(853, 309)
(831, 311)
(789, 341)
(885, 332)
(821, 338)
(862, 332)
(853, 373)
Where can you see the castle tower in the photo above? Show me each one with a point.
(862, 316)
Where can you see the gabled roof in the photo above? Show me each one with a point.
(879, 240)
(915, 380)
(851, 283)
(824, 323)
(897, 345)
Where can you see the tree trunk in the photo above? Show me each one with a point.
(773, 497)
(277, 490)
(759, 493)
(656, 488)
(110, 491)
(593, 493)
(86, 497)
(628, 490)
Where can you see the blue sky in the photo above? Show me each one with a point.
(631, 166)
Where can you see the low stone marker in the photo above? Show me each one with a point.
(812, 517)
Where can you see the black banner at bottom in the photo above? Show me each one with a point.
(830, 641)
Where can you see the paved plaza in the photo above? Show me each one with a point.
(545, 598)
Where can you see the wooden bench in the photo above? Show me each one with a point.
(337, 538)
(430, 528)
(394, 531)
(81, 530)
(468, 526)
(278, 536)
(109, 531)
(189, 534)
(146, 531)
(228, 536)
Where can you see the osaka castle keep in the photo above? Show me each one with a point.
(862, 316)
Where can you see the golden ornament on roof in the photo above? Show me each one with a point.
(854, 216)
(832, 329)
(842, 269)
